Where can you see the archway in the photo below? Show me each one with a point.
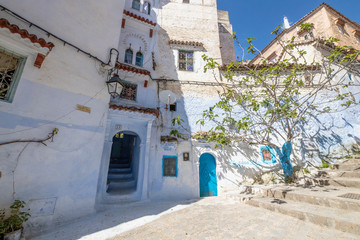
(207, 175)
(124, 163)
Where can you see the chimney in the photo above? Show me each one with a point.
(286, 23)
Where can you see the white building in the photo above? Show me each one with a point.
(111, 150)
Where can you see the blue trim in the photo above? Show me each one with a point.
(272, 153)
(349, 74)
(176, 170)
(17, 75)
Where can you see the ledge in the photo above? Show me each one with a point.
(25, 34)
(151, 111)
(137, 17)
(125, 67)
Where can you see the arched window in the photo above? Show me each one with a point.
(147, 8)
(128, 56)
(136, 4)
(139, 59)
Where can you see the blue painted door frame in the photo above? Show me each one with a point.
(207, 175)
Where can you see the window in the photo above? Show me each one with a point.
(272, 58)
(170, 166)
(341, 29)
(358, 39)
(186, 1)
(136, 4)
(11, 66)
(173, 107)
(268, 154)
(147, 8)
(139, 59)
(128, 56)
(186, 60)
(129, 91)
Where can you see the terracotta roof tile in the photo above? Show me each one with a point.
(189, 43)
(130, 14)
(125, 67)
(152, 111)
(25, 34)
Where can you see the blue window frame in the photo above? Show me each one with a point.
(11, 67)
(267, 154)
(128, 56)
(186, 60)
(136, 4)
(147, 8)
(139, 59)
(170, 168)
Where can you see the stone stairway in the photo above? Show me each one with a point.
(331, 198)
(120, 177)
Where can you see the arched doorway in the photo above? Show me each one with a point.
(124, 163)
(207, 175)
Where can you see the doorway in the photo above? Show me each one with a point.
(123, 171)
(207, 175)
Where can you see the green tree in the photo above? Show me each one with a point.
(265, 104)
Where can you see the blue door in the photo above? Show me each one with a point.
(207, 171)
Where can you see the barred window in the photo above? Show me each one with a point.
(139, 59)
(11, 67)
(266, 154)
(129, 91)
(186, 60)
(170, 166)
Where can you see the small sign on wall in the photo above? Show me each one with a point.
(169, 146)
(83, 108)
(42, 207)
(118, 127)
(186, 156)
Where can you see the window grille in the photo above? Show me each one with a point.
(170, 166)
(129, 91)
(186, 60)
(10, 69)
(136, 4)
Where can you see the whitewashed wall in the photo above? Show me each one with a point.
(58, 181)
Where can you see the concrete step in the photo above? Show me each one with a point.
(114, 176)
(122, 183)
(338, 174)
(120, 170)
(346, 221)
(322, 196)
(347, 167)
(340, 182)
(122, 165)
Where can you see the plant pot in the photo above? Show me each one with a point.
(13, 235)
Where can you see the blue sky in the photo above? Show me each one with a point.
(258, 18)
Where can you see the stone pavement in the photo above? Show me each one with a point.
(223, 218)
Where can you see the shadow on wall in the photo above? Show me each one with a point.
(327, 137)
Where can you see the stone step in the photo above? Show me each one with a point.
(327, 197)
(114, 176)
(340, 182)
(346, 221)
(338, 173)
(347, 167)
(120, 170)
(122, 165)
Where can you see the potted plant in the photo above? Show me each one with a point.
(11, 227)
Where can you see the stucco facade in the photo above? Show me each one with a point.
(155, 46)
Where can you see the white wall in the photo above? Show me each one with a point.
(58, 181)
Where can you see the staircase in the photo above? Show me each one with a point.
(331, 198)
(120, 177)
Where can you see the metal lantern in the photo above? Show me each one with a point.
(114, 86)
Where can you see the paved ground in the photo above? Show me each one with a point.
(209, 218)
(216, 218)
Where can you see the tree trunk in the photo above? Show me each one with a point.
(284, 156)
